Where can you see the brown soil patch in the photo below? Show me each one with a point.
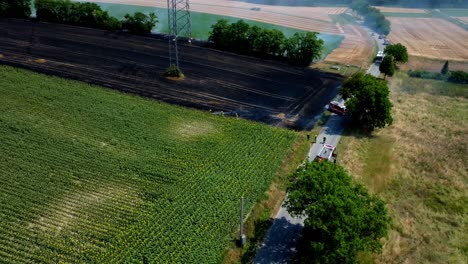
(40, 61)
(400, 10)
(355, 48)
(430, 38)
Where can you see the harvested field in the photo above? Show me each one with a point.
(463, 19)
(305, 18)
(400, 10)
(433, 65)
(430, 38)
(261, 90)
(356, 47)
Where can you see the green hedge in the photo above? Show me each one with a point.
(15, 8)
(240, 37)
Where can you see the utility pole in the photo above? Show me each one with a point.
(241, 233)
(180, 25)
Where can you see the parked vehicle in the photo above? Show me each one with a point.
(336, 107)
(327, 153)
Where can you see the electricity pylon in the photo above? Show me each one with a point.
(180, 25)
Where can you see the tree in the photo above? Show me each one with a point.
(387, 66)
(445, 69)
(368, 101)
(398, 51)
(139, 23)
(15, 8)
(218, 34)
(342, 218)
(301, 49)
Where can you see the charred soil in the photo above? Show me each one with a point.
(261, 90)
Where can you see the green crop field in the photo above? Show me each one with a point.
(90, 175)
(201, 23)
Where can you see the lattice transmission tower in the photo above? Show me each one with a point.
(180, 26)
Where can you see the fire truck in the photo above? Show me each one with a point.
(327, 153)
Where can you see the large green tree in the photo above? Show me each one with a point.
(398, 51)
(367, 101)
(15, 8)
(387, 66)
(302, 48)
(342, 218)
(219, 34)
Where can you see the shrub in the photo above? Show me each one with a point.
(458, 77)
(15, 8)
(75, 13)
(139, 23)
(173, 71)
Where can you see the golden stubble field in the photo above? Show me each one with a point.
(430, 37)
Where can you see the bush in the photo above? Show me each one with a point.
(15, 8)
(139, 23)
(458, 77)
(75, 13)
(173, 71)
(240, 37)
(426, 75)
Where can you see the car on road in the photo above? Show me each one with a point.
(337, 107)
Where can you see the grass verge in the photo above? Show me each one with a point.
(261, 217)
(418, 166)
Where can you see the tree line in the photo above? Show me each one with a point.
(239, 37)
(79, 14)
(373, 18)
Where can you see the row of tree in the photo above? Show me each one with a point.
(75, 13)
(15, 8)
(373, 18)
(91, 15)
(239, 37)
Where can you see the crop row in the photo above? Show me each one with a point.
(94, 176)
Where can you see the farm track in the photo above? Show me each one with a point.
(256, 89)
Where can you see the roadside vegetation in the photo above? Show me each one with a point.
(444, 74)
(342, 218)
(84, 14)
(417, 165)
(92, 175)
(15, 8)
(367, 102)
(239, 37)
